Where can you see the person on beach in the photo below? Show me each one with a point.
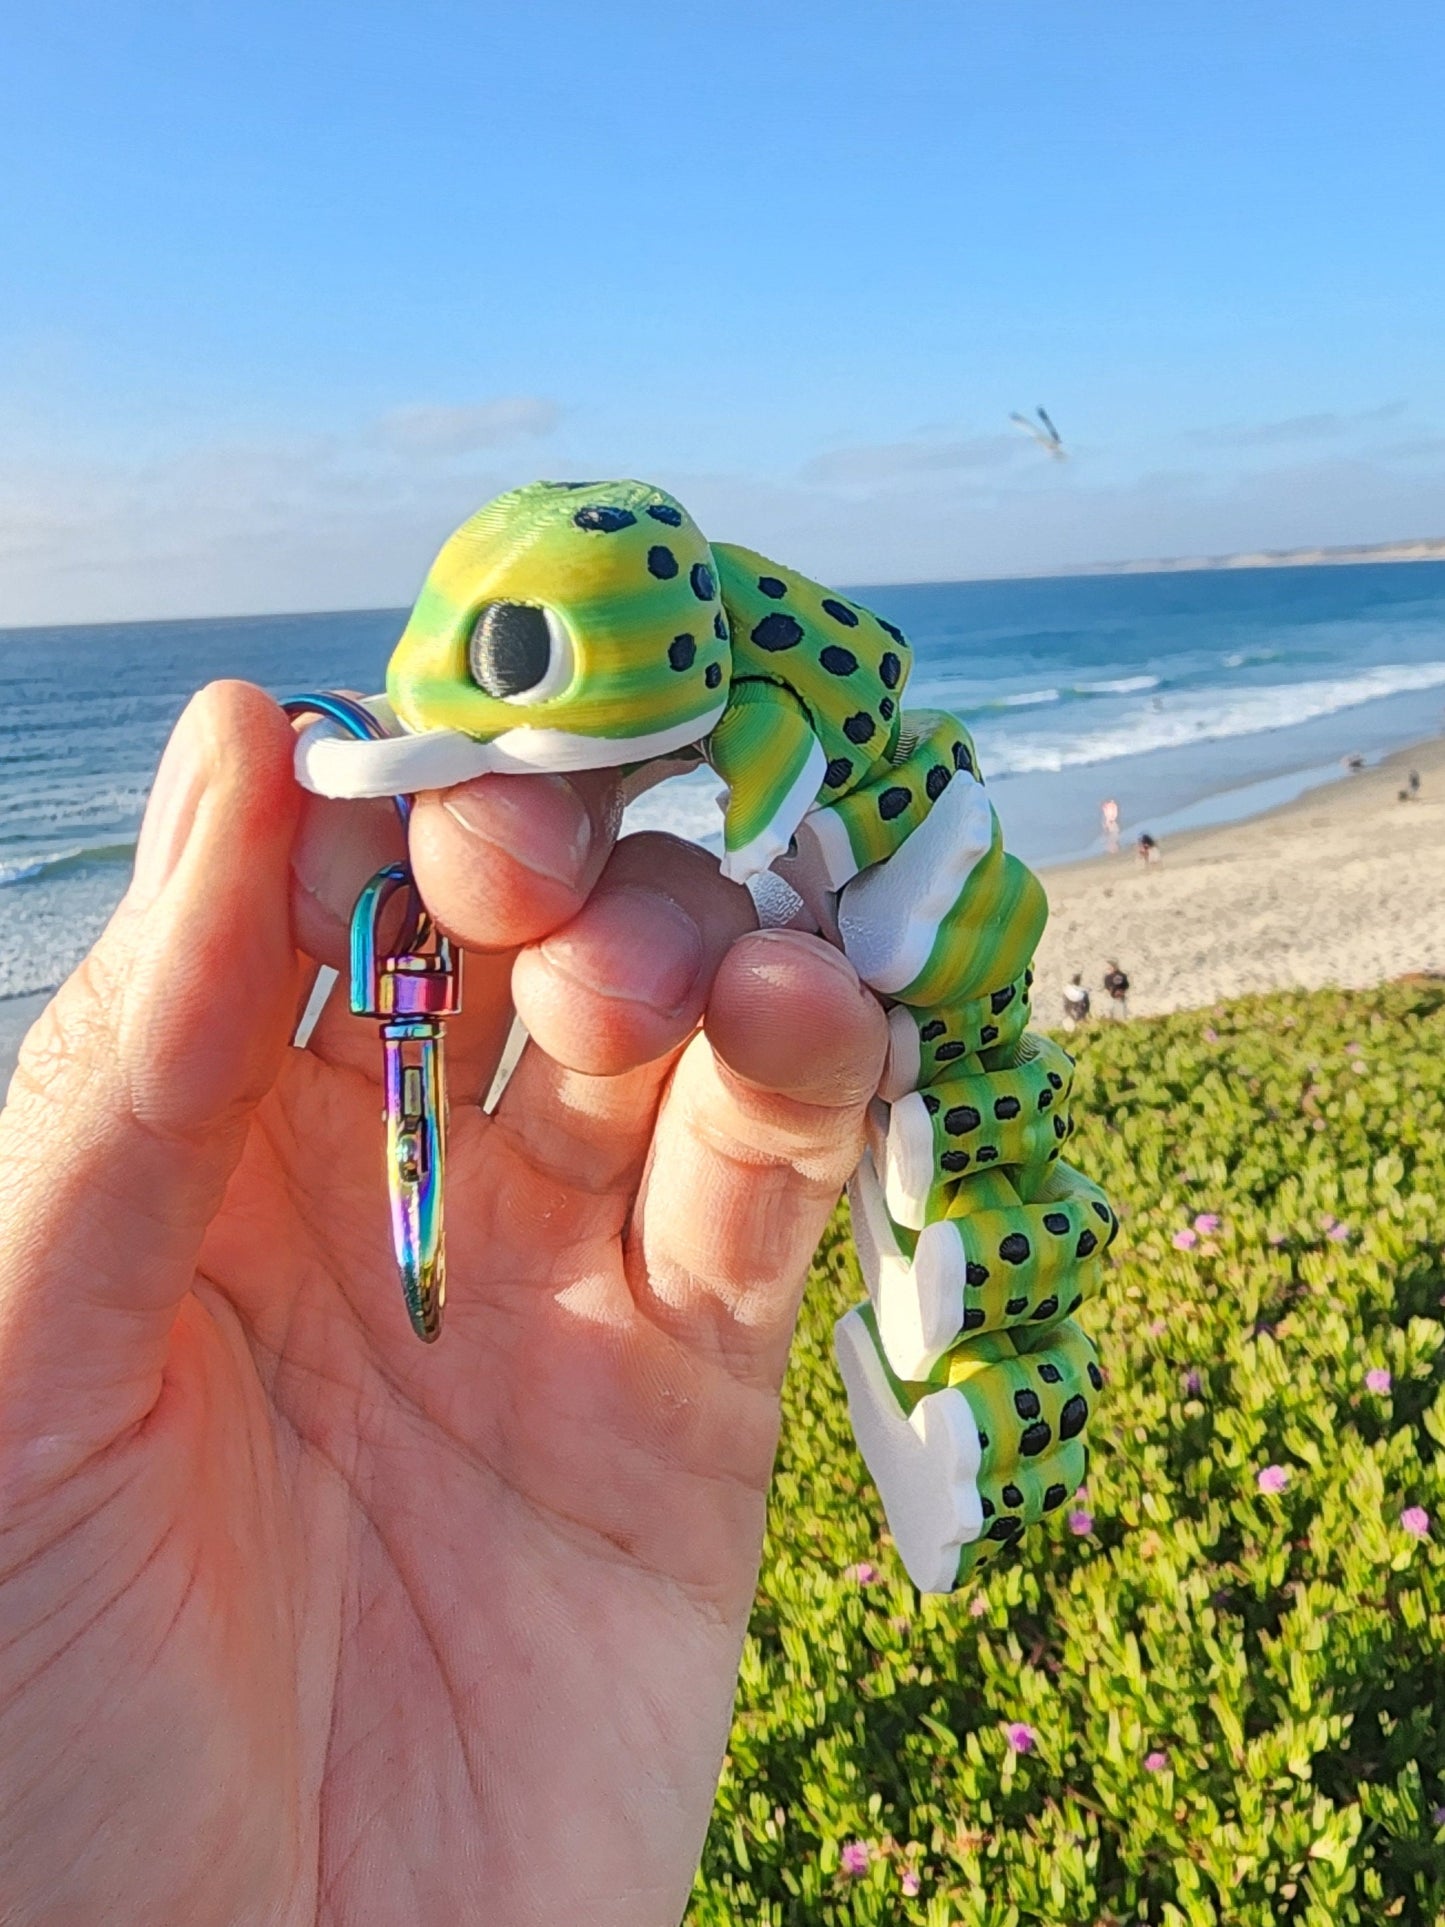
(1117, 985)
(303, 1620)
(1076, 1001)
(1109, 817)
(1147, 848)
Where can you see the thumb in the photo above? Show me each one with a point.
(130, 1102)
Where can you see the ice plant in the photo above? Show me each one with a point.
(1273, 1478)
(1022, 1737)
(1081, 1523)
(1185, 1240)
(863, 1574)
(1377, 1379)
(854, 1858)
(1193, 1383)
(1338, 1233)
(1156, 1761)
(1208, 1222)
(1416, 1521)
(910, 1882)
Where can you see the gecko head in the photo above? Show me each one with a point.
(579, 621)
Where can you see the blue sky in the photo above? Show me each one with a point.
(285, 292)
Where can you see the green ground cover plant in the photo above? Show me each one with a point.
(1212, 1689)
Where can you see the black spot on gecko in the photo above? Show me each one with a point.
(954, 1160)
(961, 1119)
(661, 562)
(961, 757)
(704, 585)
(1034, 1439)
(946, 1053)
(972, 1318)
(937, 781)
(1026, 1403)
(838, 662)
(935, 1027)
(840, 612)
(1016, 1306)
(602, 520)
(893, 802)
(889, 669)
(976, 1274)
(988, 1153)
(681, 652)
(1096, 1377)
(889, 629)
(778, 631)
(1005, 1108)
(1050, 1374)
(930, 1103)
(1073, 1418)
(665, 512)
(837, 773)
(720, 626)
(1087, 1244)
(771, 586)
(886, 709)
(1046, 1308)
(987, 1035)
(712, 676)
(1001, 999)
(1014, 1249)
(859, 728)
(1011, 1495)
(1055, 1497)
(1057, 1222)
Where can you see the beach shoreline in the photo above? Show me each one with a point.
(1343, 884)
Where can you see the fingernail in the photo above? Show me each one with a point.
(539, 821)
(635, 945)
(775, 954)
(171, 811)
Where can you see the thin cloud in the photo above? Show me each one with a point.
(869, 464)
(1327, 425)
(466, 428)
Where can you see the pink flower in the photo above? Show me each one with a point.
(1081, 1524)
(1207, 1222)
(1338, 1233)
(1158, 1328)
(1377, 1379)
(977, 1606)
(1185, 1240)
(1274, 1478)
(1276, 1238)
(1437, 1816)
(1211, 1035)
(1155, 1762)
(910, 1882)
(1022, 1738)
(1193, 1383)
(863, 1574)
(1416, 1521)
(854, 1858)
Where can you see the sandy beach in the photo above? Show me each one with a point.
(1345, 885)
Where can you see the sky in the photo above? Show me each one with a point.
(286, 292)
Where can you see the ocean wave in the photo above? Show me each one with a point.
(1117, 686)
(1201, 718)
(59, 862)
(1245, 658)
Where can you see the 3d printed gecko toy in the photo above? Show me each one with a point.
(583, 625)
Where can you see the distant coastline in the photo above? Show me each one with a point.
(1428, 548)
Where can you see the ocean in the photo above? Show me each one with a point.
(1189, 698)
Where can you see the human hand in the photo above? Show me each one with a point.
(300, 1620)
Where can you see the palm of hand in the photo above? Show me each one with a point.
(410, 1633)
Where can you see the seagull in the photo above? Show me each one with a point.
(1047, 437)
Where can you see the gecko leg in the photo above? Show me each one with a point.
(765, 750)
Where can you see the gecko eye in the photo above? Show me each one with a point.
(519, 653)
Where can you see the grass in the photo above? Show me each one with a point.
(1235, 1697)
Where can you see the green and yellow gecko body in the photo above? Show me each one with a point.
(577, 625)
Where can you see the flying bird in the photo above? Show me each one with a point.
(1047, 436)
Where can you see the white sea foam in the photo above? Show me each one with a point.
(1118, 686)
(1198, 716)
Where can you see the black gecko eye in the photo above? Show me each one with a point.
(519, 653)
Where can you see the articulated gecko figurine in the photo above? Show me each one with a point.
(588, 625)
